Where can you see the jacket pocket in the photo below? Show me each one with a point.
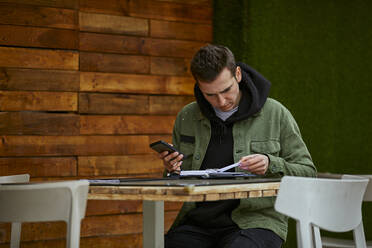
(266, 147)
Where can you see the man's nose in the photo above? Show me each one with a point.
(221, 100)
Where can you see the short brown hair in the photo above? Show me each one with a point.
(210, 60)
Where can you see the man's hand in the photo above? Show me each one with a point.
(255, 163)
(172, 162)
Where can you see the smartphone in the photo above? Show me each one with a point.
(161, 146)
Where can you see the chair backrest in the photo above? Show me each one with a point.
(50, 201)
(21, 178)
(330, 204)
(368, 193)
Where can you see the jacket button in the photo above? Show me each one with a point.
(197, 156)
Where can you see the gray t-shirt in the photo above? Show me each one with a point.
(225, 115)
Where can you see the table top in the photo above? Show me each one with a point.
(165, 189)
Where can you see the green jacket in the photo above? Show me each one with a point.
(272, 131)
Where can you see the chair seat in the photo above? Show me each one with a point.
(341, 243)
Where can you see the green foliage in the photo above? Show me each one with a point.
(317, 54)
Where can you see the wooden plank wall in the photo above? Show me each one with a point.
(85, 86)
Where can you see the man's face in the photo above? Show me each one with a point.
(223, 93)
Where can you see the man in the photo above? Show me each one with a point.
(233, 120)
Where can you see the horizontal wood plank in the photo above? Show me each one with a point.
(117, 241)
(163, 10)
(113, 24)
(93, 103)
(114, 7)
(91, 226)
(168, 104)
(114, 43)
(38, 37)
(181, 31)
(170, 11)
(38, 80)
(170, 66)
(36, 123)
(15, 14)
(129, 83)
(39, 166)
(114, 63)
(125, 124)
(193, 2)
(119, 165)
(119, 224)
(38, 58)
(37, 101)
(66, 4)
(99, 207)
(175, 48)
(36, 231)
(74, 145)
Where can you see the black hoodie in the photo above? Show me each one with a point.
(255, 90)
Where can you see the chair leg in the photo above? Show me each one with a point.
(73, 234)
(15, 239)
(305, 235)
(317, 238)
(359, 237)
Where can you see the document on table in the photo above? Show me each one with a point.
(222, 172)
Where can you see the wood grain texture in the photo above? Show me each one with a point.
(170, 66)
(91, 226)
(138, 84)
(38, 58)
(39, 166)
(193, 2)
(93, 103)
(98, 207)
(66, 4)
(114, 63)
(168, 105)
(119, 165)
(112, 7)
(125, 124)
(38, 37)
(27, 15)
(117, 241)
(185, 193)
(113, 24)
(174, 48)
(180, 31)
(119, 224)
(37, 101)
(113, 241)
(170, 11)
(114, 43)
(36, 123)
(38, 80)
(186, 11)
(74, 145)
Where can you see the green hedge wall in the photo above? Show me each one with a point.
(317, 54)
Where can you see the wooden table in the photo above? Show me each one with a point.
(153, 193)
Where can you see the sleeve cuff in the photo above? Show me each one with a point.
(275, 166)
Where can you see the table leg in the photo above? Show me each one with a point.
(153, 224)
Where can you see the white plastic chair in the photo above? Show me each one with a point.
(344, 243)
(330, 204)
(21, 178)
(51, 201)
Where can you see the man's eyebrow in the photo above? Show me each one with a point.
(223, 91)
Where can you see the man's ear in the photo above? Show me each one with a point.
(238, 74)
